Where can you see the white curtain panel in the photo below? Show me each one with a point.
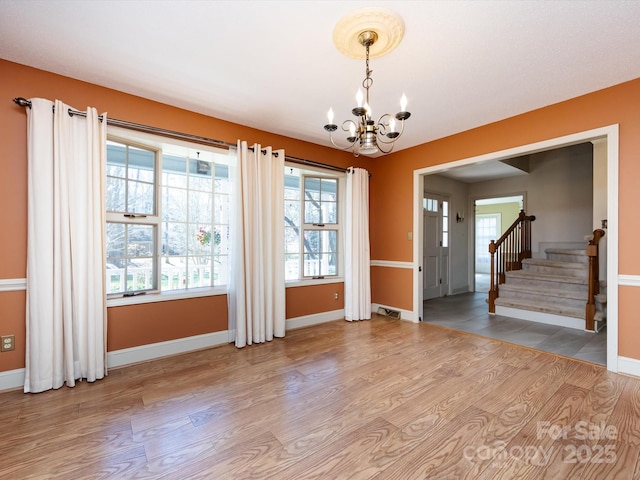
(256, 292)
(357, 275)
(66, 304)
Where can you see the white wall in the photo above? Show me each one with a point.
(559, 192)
(458, 193)
(508, 213)
(600, 198)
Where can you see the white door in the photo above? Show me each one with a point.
(436, 246)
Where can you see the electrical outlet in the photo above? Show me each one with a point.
(336, 296)
(8, 343)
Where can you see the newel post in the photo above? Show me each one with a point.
(493, 286)
(594, 280)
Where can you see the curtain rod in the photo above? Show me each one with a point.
(23, 102)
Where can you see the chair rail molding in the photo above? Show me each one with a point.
(629, 280)
(13, 284)
(391, 264)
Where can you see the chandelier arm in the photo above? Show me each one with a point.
(381, 131)
(346, 129)
(346, 123)
(382, 125)
(386, 143)
(340, 147)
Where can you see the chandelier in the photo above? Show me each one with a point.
(365, 135)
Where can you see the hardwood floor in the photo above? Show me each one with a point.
(381, 399)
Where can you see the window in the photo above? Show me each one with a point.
(487, 229)
(312, 227)
(167, 216)
(430, 204)
(445, 223)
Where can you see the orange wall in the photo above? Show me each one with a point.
(392, 287)
(629, 340)
(12, 314)
(137, 324)
(313, 299)
(391, 199)
(133, 325)
(391, 192)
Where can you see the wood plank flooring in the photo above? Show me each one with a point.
(382, 399)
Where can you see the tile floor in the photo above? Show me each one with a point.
(468, 312)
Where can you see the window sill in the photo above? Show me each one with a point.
(313, 281)
(166, 296)
(204, 292)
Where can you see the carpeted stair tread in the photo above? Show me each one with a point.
(543, 292)
(524, 274)
(566, 251)
(554, 263)
(541, 307)
(556, 285)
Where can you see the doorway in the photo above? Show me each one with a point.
(610, 134)
(435, 211)
(492, 217)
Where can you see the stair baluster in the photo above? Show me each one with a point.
(508, 252)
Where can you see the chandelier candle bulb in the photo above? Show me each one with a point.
(359, 98)
(403, 103)
(330, 127)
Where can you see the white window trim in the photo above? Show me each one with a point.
(317, 172)
(153, 220)
(156, 143)
(148, 297)
(314, 281)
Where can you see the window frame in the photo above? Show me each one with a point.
(127, 218)
(159, 145)
(339, 226)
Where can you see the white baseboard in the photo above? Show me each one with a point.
(629, 366)
(461, 290)
(315, 319)
(12, 379)
(152, 351)
(127, 356)
(540, 317)
(404, 314)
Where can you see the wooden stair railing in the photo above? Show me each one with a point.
(594, 279)
(508, 252)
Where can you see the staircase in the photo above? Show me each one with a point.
(552, 290)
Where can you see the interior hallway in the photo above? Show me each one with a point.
(468, 312)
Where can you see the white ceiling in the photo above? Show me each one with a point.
(272, 65)
(476, 172)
